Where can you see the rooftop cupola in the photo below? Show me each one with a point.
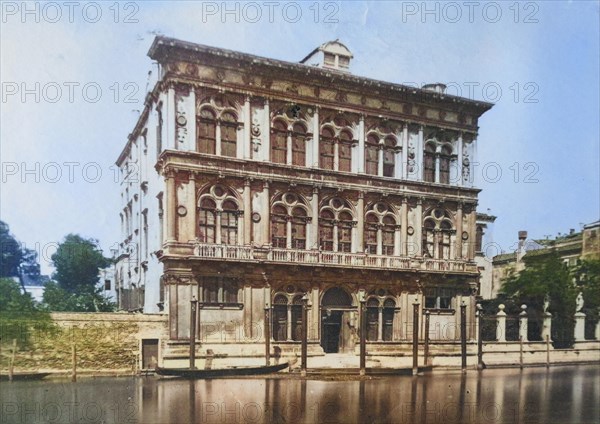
(331, 55)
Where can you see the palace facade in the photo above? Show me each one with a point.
(250, 184)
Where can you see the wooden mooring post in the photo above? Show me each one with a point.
(426, 347)
(73, 363)
(415, 346)
(11, 367)
(463, 336)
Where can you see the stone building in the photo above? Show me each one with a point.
(251, 183)
(572, 247)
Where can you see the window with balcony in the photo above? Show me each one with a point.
(218, 216)
(207, 221)
(335, 226)
(438, 231)
(380, 230)
(289, 219)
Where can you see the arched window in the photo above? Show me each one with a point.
(298, 228)
(279, 142)
(380, 229)
(228, 134)
(345, 151)
(207, 130)
(278, 227)
(229, 223)
(388, 230)
(326, 230)
(429, 163)
(345, 225)
(389, 156)
(437, 234)
(296, 309)
(371, 234)
(389, 307)
(280, 318)
(445, 157)
(326, 148)
(207, 221)
(371, 154)
(372, 319)
(287, 318)
(299, 144)
(288, 222)
(428, 238)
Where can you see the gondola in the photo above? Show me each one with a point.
(18, 376)
(222, 372)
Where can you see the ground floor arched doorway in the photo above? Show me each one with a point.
(338, 322)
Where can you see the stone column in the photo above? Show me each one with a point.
(379, 239)
(459, 231)
(171, 205)
(547, 326)
(247, 141)
(193, 206)
(218, 138)
(191, 122)
(523, 323)
(247, 217)
(313, 242)
(418, 226)
(404, 155)
(169, 120)
(336, 155)
(265, 220)
(218, 226)
(315, 143)
(266, 132)
(380, 324)
(360, 224)
(397, 240)
(361, 145)
(288, 157)
(459, 152)
(437, 167)
(579, 326)
(380, 159)
(404, 226)
(501, 324)
(419, 154)
(472, 233)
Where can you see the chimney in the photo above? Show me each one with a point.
(571, 231)
(522, 235)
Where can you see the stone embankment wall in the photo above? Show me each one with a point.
(104, 342)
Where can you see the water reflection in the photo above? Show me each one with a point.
(492, 396)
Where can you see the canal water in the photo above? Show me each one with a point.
(535, 395)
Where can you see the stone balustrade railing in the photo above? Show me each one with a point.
(271, 254)
(546, 329)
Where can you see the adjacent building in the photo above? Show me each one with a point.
(252, 185)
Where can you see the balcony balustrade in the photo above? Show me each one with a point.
(317, 257)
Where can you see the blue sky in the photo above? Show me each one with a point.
(543, 56)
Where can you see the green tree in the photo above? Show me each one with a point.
(77, 261)
(12, 298)
(587, 275)
(11, 253)
(546, 275)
